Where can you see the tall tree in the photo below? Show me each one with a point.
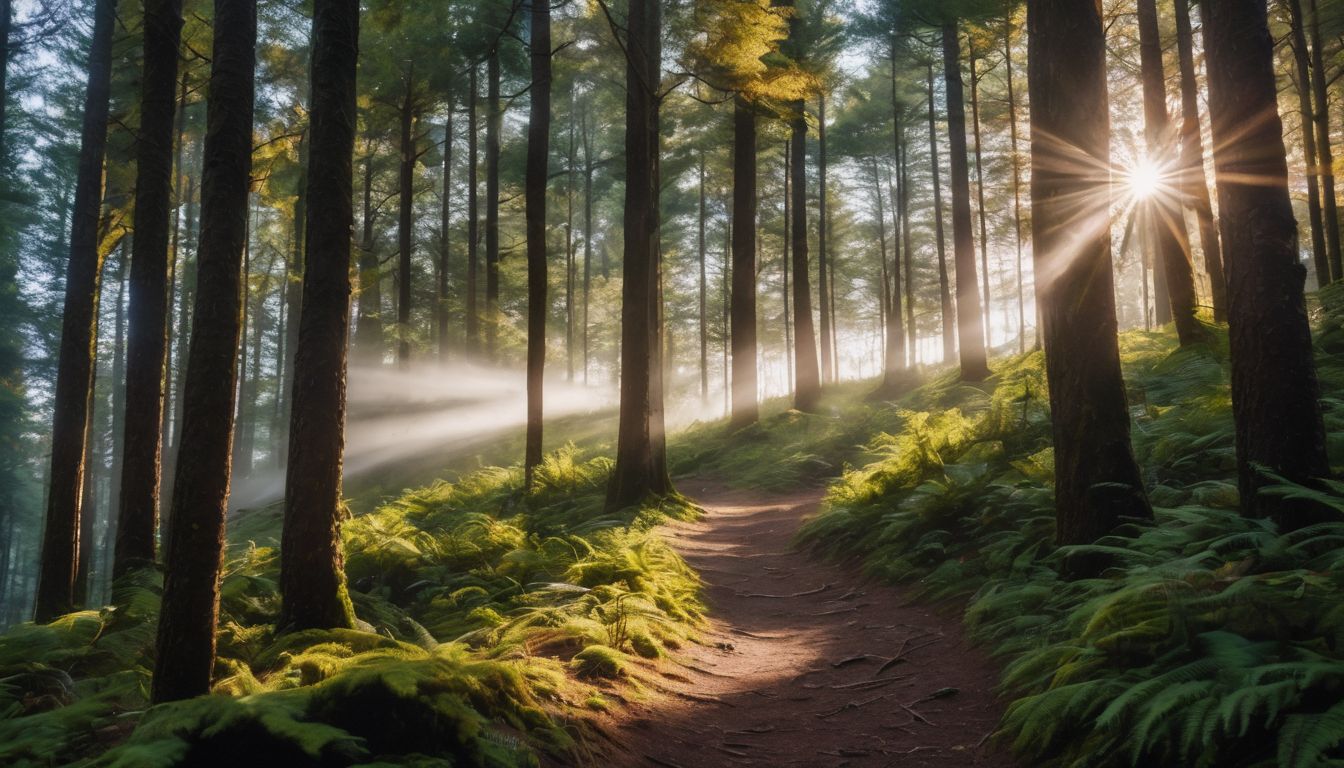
(1325, 152)
(538, 156)
(824, 309)
(494, 118)
(74, 370)
(1171, 241)
(408, 112)
(970, 328)
(445, 239)
(147, 345)
(1016, 158)
(190, 606)
(743, 313)
(944, 283)
(1301, 57)
(1097, 482)
(1275, 395)
(638, 472)
(312, 569)
(473, 218)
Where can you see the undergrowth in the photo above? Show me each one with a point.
(489, 622)
(1212, 640)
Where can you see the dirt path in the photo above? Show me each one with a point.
(797, 670)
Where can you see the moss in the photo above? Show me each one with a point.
(600, 661)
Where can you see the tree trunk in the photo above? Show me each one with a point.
(745, 408)
(1275, 395)
(785, 264)
(704, 288)
(944, 284)
(1324, 150)
(892, 322)
(637, 475)
(970, 321)
(538, 157)
(1017, 182)
(587, 233)
(445, 228)
(147, 344)
(1195, 184)
(369, 326)
(571, 248)
(190, 607)
(823, 267)
(1166, 217)
(1097, 482)
(312, 570)
(406, 203)
(493, 119)
(912, 332)
(807, 391)
(74, 369)
(980, 196)
(473, 221)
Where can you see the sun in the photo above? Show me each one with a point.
(1144, 179)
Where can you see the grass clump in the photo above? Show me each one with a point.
(1211, 639)
(484, 613)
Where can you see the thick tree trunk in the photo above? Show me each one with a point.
(637, 474)
(74, 369)
(745, 408)
(493, 118)
(1325, 152)
(405, 211)
(1195, 184)
(944, 284)
(807, 391)
(538, 167)
(1164, 206)
(1017, 182)
(1275, 395)
(1097, 482)
(190, 607)
(147, 344)
(473, 221)
(970, 320)
(823, 236)
(312, 569)
(445, 239)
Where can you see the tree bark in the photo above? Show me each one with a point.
(312, 570)
(190, 607)
(970, 320)
(1017, 182)
(704, 287)
(823, 235)
(147, 344)
(1097, 482)
(785, 263)
(473, 221)
(1165, 215)
(445, 228)
(588, 167)
(1195, 184)
(1324, 149)
(745, 408)
(807, 390)
(538, 166)
(493, 119)
(74, 369)
(1275, 394)
(405, 212)
(637, 474)
(944, 284)
(912, 332)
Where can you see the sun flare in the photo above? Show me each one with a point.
(1144, 179)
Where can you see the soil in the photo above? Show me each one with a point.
(807, 663)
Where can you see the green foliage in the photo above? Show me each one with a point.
(1209, 639)
(483, 612)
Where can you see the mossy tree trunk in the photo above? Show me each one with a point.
(190, 607)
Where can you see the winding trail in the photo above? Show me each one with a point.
(807, 663)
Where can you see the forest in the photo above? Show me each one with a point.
(671, 383)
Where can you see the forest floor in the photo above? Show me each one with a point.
(807, 663)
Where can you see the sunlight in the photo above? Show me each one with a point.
(1144, 179)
